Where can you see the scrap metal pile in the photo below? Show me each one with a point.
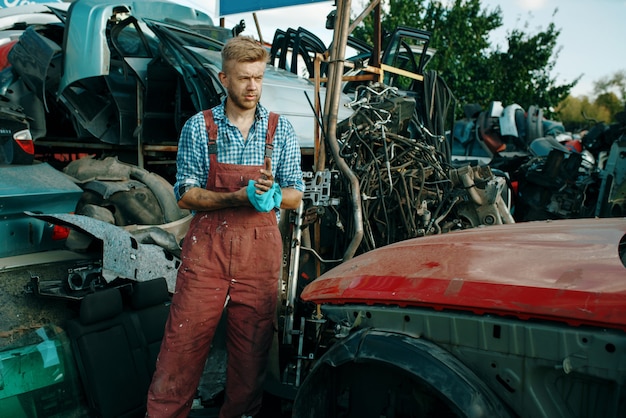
(555, 174)
(407, 186)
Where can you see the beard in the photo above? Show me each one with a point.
(242, 101)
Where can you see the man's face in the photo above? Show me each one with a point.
(243, 81)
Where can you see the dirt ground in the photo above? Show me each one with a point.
(21, 312)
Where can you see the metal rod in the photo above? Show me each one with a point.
(333, 93)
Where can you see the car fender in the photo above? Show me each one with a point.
(423, 360)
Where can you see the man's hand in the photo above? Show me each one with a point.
(265, 182)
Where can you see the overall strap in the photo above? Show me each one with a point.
(211, 128)
(271, 130)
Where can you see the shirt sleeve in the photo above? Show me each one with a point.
(192, 162)
(289, 171)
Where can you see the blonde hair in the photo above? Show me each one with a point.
(243, 49)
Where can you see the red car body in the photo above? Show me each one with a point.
(569, 270)
(519, 320)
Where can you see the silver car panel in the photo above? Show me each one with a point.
(86, 41)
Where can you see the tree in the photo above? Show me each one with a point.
(610, 99)
(461, 38)
(580, 113)
(574, 112)
(524, 70)
(611, 103)
(475, 71)
(615, 83)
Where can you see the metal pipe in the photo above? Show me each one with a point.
(292, 280)
(331, 107)
(258, 27)
(140, 109)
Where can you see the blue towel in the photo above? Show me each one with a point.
(267, 201)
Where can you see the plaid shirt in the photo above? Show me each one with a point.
(192, 161)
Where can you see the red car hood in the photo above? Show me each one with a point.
(566, 270)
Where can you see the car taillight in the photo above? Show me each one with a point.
(25, 140)
(515, 187)
(60, 232)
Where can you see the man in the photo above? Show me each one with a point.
(234, 175)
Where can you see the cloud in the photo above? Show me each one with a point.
(531, 5)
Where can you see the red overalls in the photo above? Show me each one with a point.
(232, 252)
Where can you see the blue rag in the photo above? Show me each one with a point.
(267, 201)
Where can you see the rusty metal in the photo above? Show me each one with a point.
(122, 255)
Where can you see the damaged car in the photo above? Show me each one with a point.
(29, 185)
(554, 174)
(122, 79)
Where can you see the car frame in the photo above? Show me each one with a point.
(120, 76)
(511, 320)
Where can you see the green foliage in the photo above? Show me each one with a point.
(578, 113)
(461, 38)
(475, 71)
(525, 70)
(610, 102)
(615, 83)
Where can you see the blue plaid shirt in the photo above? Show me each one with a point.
(192, 160)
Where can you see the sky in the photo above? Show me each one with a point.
(592, 43)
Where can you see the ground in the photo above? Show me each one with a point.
(22, 312)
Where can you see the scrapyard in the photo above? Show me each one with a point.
(416, 280)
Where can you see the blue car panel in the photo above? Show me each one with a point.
(37, 188)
